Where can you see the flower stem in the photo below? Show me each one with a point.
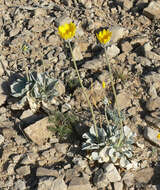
(84, 92)
(115, 96)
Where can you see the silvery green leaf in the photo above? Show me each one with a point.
(128, 154)
(101, 132)
(103, 155)
(95, 156)
(86, 136)
(112, 152)
(123, 162)
(88, 146)
(20, 87)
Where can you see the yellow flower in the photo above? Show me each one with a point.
(103, 84)
(67, 31)
(158, 136)
(104, 36)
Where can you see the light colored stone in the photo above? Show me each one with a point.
(46, 183)
(118, 33)
(86, 3)
(23, 170)
(38, 131)
(19, 185)
(153, 104)
(63, 20)
(79, 183)
(144, 175)
(40, 12)
(153, 78)
(30, 158)
(111, 172)
(94, 64)
(118, 185)
(59, 184)
(152, 55)
(60, 88)
(128, 179)
(123, 100)
(153, 10)
(1, 139)
(127, 4)
(77, 53)
(61, 148)
(112, 51)
(46, 172)
(126, 47)
(151, 135)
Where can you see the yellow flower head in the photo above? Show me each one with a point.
(104, 36)
(158, 136)
(103, 84)
(67, 31)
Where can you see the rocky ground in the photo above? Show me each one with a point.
(31, 157)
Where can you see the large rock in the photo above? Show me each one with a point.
(123, 100)
(79, 183)
(153, 10)
(112, 51)
(38, 131)
(118, 33)
(111, 172)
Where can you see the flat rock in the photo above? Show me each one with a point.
(144, 175)
(112, 51)
(118, 33)
(128, 179)
(59, 184)
(123, 100)
(153, 10)
(77, 53)
(46, 183)
(151, 135)
(46, 172)
(79, 183)
(38, 131)
(118, 185)
(153, 78)
(94, 64)
(19, 185)
(61, 148)
(23, 170)
(153, 104)
(111, 172)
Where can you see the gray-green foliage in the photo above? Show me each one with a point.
(106, 148)
(35, 90)
(44, 87)
(21, 86)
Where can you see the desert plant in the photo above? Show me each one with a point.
(61, 124)
(107, 148)
(35, 90)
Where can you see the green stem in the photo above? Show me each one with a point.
(84, 92)
(115, 96)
